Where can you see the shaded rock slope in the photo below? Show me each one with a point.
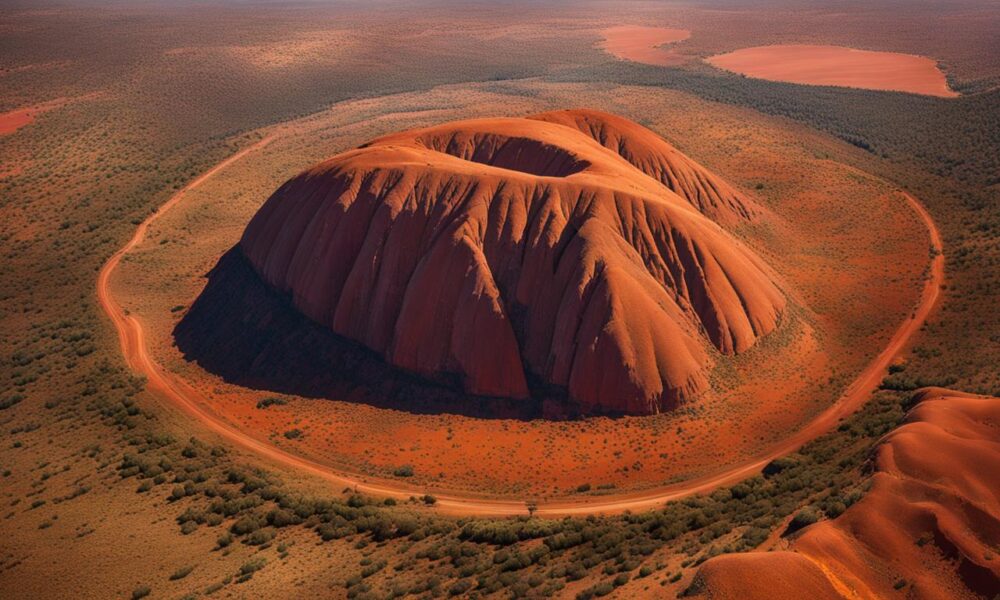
(250, 335)
(572, 249)
(928, 528)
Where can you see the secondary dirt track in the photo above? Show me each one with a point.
(184, 397)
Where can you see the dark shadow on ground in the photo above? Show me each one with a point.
(248, 334)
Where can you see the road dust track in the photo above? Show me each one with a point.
(185, 397)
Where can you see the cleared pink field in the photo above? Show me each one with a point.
(643, 44)
(837, 65)
(18, 118)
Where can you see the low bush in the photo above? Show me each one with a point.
(181, 573)
(803, 518)
(141, 592)
(253, 566)
(271, 401)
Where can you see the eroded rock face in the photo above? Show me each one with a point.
(573, 249)
(649, 153)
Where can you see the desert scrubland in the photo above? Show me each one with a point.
(244, 467)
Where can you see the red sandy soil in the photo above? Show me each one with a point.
(176, 391)
(643, 44)
(555, 242)
(764, 576)
(16, 119)
(929, 524)
(839, 66)
(10, 170)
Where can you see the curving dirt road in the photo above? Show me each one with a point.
(183, 396)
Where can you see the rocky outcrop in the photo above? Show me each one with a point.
(652, 155)
(928, 528)
(509, 253)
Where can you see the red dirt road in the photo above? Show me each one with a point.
(184, 397)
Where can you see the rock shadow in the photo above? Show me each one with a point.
(250, 335)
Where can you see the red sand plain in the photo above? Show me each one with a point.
(643, 44)
(838, 66)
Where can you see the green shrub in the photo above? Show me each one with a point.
(460, 587)
(779, 465)
(214, 588)
(10, 401)
(141, 592)
(599, 590)
(261, 536)
(181, 573)
(271, 401)
(803, 518)
(245, 525)
(253, 566)
(282, 518)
